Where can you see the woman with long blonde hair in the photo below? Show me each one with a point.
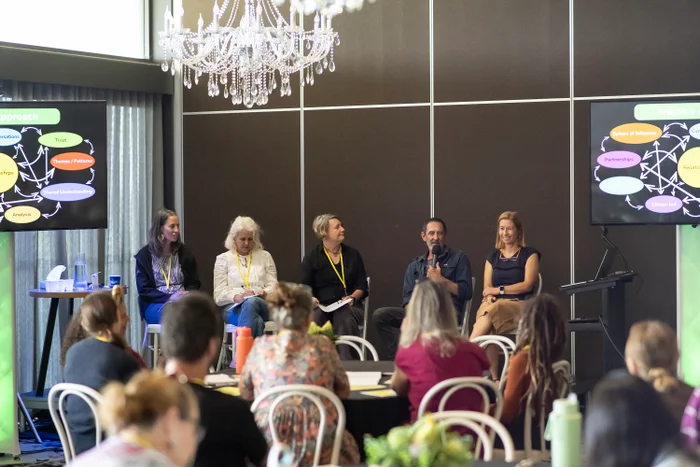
(432, 350)
(510, 276)
(651, 353)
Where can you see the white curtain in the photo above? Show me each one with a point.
(135, 186)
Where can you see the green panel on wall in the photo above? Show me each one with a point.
(8, 421)
(689, 322)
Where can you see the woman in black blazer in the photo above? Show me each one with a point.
(165, 268)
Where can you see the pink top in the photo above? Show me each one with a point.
(424, 368)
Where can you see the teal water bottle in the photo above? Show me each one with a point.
(564, 431)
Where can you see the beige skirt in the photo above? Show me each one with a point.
(504, 314)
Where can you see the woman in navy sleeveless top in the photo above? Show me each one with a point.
(510, 276)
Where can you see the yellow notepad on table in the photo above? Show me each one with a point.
(367, 387)
(230, 390)
(380, 393)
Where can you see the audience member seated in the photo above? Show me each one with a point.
(165, 268)
(295, 357)
(99, 359)
(510, 276)
(652, 354)
(191, 333)
(449, 267)
(153, 421)
(243, 276)
(335, 271)
(628, 425)
(541, 342)
(76, 332)
(690, 424)
(432, 350)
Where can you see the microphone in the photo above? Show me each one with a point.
(604, 236)
(435, 250)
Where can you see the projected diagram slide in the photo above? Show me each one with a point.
(654, 162)
(41, 170)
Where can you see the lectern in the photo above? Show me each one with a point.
(612, 289)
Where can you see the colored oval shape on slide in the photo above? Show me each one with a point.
(621, 185)
(636, 133)
(67, 192)
(9, 172)
(663, 204)
(689, 167)
(73, 161)
(9, 137)
(695, 131)
(619, 159)
(22, 214)
(60, 139)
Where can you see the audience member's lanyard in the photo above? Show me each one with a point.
(102, 339)
(167, 278)
(137, 440)
(246, 279)
(342, 268)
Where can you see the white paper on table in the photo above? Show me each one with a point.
(364, 378)
(220, 379)
(244, 299)
(334, 306)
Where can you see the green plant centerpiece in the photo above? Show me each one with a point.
(423, 444)
(325, 330)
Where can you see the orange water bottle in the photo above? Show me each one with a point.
(244, 342)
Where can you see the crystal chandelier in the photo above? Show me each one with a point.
(245, 60)
(328, 7)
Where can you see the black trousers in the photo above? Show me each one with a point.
(346, 322)
(387, 321)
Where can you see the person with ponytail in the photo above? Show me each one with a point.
(98, 359)
(540, 343)
(295, 357)
(651, 353)
(76, 333)
(152, 421)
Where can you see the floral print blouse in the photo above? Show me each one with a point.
(293, 357)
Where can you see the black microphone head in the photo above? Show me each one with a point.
(436, 250)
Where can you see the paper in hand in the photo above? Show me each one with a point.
(334, 306)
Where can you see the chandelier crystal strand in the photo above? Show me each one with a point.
(326, 7)
(246, 58)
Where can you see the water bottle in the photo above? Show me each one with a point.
(244, 342)
(564, 431)
(80, 281)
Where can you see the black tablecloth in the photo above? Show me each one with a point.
(371, 415)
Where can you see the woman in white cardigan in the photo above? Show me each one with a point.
(243, 276)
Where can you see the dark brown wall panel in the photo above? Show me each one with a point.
(490, 159)
(499, 49)
(649, 250)
(372, 168)
(383, 57)
(231, 168)
(631, 47)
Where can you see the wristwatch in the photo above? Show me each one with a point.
(501, 290)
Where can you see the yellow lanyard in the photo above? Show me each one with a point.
(102, 339)
(246, 279)
(167, 278)
(138, 441)
(342, 268)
